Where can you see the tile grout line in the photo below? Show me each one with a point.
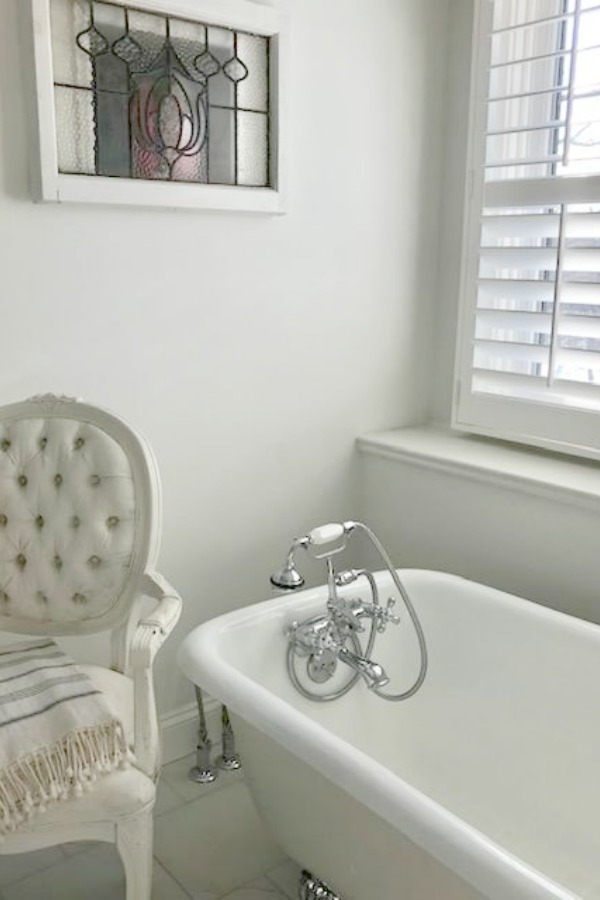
(171, 876)
(281, 890)
(48, 868)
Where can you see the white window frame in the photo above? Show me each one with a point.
(48, 184)
(565, 427)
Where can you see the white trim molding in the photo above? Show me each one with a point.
(559, 478)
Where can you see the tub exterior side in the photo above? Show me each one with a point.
(355, 852)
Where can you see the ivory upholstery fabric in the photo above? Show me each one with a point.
(67, 517)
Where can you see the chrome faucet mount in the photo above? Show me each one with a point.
(320, 643)
(311, 888)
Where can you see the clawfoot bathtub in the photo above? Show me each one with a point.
(484, 784)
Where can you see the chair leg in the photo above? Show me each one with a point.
(134, 843)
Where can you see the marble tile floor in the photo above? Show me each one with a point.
(209, 844)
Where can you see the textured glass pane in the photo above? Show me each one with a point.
(252, 91)
(112, 112)
(252, 149)
(221, 90)
(111, 71)
(149, 34)
(147, 164)
(221, 146)
(189, 42)
(192, 168)
(109, 18)
(75, 130)
(67, 20)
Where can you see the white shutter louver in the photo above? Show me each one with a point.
(529, 364)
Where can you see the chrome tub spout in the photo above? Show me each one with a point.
(372, 672)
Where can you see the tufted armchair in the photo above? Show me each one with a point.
(79, 536)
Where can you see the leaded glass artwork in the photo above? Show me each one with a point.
(156, 97)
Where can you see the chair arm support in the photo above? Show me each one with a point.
(148, 637)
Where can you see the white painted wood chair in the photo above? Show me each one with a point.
(79, 536)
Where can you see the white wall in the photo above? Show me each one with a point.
(250, 350)
(451, 219)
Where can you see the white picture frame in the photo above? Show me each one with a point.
(50, 185)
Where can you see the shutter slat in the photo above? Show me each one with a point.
(577, 298)
(583, 224)
(518, 296)
(582, 261)
(578, 366)
(506, 384)
(520, 359)
(503, 230)
(585, 328)
(509, 320)
(533, 263)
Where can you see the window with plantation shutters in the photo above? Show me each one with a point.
(528, 367)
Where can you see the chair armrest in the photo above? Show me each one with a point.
(152, 631)
(166, 614)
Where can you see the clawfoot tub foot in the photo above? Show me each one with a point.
(313, 889)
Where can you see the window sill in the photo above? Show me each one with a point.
(545, 474)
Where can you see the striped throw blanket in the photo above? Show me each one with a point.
(57, 733)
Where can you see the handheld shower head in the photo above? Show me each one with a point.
(289, 578)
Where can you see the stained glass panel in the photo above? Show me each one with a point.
(155, 97)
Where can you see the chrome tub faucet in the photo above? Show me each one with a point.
(332, 637)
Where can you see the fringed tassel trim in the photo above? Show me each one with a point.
(64, 770)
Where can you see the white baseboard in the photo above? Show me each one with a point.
(180, 729)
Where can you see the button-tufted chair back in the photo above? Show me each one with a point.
(79, 516)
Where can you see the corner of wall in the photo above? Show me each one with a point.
(449, 260)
